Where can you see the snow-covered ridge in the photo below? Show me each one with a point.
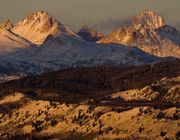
(40, 43)
(12, 45)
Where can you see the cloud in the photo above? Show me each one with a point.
(107, 26)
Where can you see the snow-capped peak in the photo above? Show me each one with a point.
(149, 18)
(37, 26)
(147, 31)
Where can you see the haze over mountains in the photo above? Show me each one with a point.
(40, 43)
(59, 84)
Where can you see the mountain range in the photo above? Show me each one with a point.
(149, 32)
(40, 43)
(59, 84)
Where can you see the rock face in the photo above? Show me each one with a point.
(149, 19)
(147, 32)
(38, 26)
(90, 34)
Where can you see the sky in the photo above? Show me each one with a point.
(101, 14)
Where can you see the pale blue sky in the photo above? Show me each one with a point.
(75, 13)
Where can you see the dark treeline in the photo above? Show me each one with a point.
(94, 80)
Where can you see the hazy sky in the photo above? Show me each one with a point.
(75, 13)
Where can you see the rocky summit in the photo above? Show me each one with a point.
(143, 32)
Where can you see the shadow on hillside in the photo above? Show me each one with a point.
(9, 106)
(165, 35)
(94, 85)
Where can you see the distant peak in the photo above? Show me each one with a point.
(149, 13)
(6, 24)
(38, 18)
(38, 25)
(150, 18)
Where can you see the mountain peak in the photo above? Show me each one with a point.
(150, 19)
(147, 31)
(6, 24)
(37, 26)
(36, 18)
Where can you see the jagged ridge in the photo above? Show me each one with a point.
(143, 33)
(37, 26)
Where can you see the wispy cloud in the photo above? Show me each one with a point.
(106, 26)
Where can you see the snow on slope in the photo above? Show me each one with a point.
(143, 33)
(62, 51)
(38, 26)
(61, 48)
(12, 45)
(170, 33)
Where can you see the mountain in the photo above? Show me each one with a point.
(40, 43)
(147, 31)
(63, 51)
(90, 34)
(37, 26)
(65, 87)
(13, 49)
(170, 32)
(12, 45)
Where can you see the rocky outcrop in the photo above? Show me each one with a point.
(38, 26)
